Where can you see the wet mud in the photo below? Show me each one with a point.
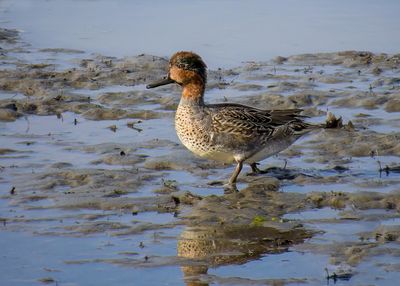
(89, 154)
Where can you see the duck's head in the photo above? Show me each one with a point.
(184, 68)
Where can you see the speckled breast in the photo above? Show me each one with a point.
(193, 129)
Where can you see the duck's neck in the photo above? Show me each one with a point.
(193, 93)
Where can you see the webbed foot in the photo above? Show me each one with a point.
(255, 170)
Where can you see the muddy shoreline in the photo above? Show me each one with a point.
(88, 152)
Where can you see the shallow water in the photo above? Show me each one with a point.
(90, 197)
(71, 254)
(231, 33)
(44, 257)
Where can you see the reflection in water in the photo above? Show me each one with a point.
(206, 247)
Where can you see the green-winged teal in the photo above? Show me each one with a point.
(227, 132)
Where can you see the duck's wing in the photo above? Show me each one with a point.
(290, 118)
(249, 121)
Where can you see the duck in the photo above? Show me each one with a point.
(227, 132)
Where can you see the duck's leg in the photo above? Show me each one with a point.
(236, 173)
(232, 181)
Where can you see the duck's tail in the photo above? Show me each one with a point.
(300, 127)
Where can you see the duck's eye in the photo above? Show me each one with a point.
(186, 64)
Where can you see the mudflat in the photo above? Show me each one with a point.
(96, 188)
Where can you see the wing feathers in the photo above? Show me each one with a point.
(248, 121)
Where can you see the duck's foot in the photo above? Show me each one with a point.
(255, 170)
(230, 188)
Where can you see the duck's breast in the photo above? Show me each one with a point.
(193, 127)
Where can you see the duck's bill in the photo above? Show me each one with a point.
(164, 81)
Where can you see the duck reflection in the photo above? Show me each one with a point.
(206, 247)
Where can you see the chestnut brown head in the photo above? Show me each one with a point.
(184, 68)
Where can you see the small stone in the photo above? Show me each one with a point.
(113, 128)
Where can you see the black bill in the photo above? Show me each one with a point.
(164, 81)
